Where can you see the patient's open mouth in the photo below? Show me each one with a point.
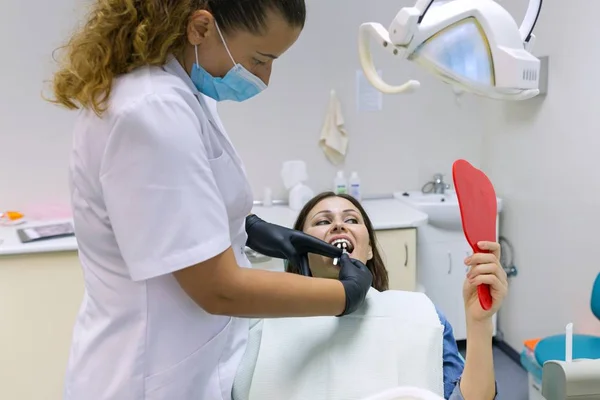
(343, 243)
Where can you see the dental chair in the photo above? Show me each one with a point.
(571, 380)
(545, 361)
(584, 346)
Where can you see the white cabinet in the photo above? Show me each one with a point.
(398, 249)
(40, 295)
(441, 271)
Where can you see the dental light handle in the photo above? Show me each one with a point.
(376, 31)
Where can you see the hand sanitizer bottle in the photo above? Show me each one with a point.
(355, 186)
(340, 184)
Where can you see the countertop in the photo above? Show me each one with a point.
(11, 245)
(384, 214)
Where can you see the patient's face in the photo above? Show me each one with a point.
(336, 220)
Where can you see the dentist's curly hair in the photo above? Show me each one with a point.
(122, 35)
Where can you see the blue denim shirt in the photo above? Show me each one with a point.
(453, 363)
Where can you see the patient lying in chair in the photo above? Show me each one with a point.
(396, 339)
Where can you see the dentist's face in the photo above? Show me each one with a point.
(337, 221)
(255, 52)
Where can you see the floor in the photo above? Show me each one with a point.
(511, 377)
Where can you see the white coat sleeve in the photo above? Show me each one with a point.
(163, 203)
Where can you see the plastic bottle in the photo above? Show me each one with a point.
(268, 197)
(355, 186)
(299, 196)
(340, 186)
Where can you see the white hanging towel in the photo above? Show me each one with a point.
(334, 138)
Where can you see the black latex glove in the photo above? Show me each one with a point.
(288, 244)
(357, 279)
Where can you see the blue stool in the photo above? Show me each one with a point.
(584, 346)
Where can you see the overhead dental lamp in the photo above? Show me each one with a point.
(473, 45)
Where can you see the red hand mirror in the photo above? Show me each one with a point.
(478, 210)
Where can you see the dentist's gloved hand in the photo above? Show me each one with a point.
(288, 244)
(357, 279)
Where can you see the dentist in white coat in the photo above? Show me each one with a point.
(161, 201)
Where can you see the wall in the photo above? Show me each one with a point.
(398, 148)
(542, 157)
(541, 154)
(35, 136)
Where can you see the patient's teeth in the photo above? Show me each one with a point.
(341, 244)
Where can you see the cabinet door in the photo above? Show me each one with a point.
(40, 295)
(439, 272)
(458, 320)
(398, 248)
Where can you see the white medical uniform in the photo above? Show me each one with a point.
(156, 187)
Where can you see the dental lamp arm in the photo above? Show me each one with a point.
(422, 6)
(531, 17)
(393, 39)
(527, 26)
(381, 35)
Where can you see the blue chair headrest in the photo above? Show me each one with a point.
(595, 303)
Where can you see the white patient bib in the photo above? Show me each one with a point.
(395, 339)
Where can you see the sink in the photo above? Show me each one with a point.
(442, 209)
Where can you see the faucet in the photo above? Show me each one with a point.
(437, 185)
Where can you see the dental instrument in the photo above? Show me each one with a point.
(571, 379)
(473, 45)
(478, 209)
(344, 247)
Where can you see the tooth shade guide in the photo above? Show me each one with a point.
(335, 260)
(340, 245)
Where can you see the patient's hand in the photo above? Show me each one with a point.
(485, 268)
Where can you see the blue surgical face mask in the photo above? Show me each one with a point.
(238, 85)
